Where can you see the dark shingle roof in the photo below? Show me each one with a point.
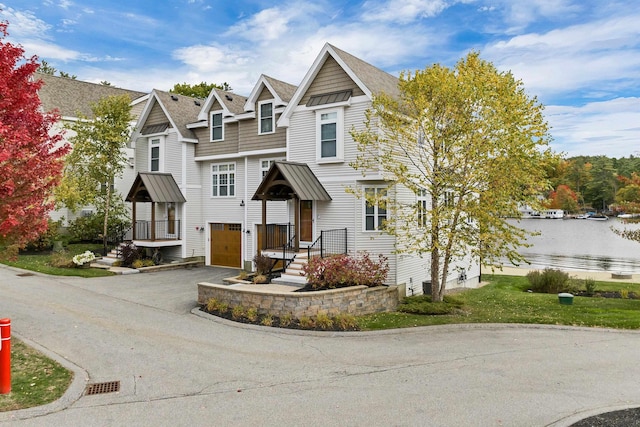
(232, 101)
(71, 96)
(182, 110)
(283, 89)
(373, 78)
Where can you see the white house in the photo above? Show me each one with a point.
(269, 171)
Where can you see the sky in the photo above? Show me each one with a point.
(580, 58)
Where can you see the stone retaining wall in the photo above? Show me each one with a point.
(354, 300)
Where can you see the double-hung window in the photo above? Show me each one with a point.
(223, 180)
(266, 117)
(422, 208)
(217, 127)
(155, 154)
(375, 215)
(329, 131)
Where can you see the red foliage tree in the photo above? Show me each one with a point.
(30, 155)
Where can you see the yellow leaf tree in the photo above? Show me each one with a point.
(475, 144)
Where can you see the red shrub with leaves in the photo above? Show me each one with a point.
(344, 270)
(30, 158)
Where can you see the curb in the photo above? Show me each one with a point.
(74, 391)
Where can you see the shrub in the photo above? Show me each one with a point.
(345, 270)
(83, 258)
(306, 322)
(260, 278)
(130, 253)
(285, 320)
(223, 307)
(237, 312)
(137, 263)
(252, 314)
(46, 239)
(422, 304)
(590, 285)
(323, 321)
(61, 259)
(212, 304)
(267, 320)
(549, 281)
(263, 264)
(346, 322)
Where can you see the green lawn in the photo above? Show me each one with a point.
(35, 379)
(505, 300)
(41, 262)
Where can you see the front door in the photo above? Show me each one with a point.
(306, 220)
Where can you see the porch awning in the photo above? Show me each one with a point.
(155, 187)
(286, 180)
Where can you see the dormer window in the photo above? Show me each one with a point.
(217, 127)
(266, 119)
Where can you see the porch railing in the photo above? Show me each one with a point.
(278, 236)
(154, 230)
(330, 242)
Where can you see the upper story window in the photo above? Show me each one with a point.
(223, 180)
(329, 135)
(266, 119)
(375, 215)
(422, 207)
(155, 154)
(217, 127)
(265, 165)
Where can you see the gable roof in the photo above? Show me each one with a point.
(286, 179)
(231, 103)
(369, 79)
(71, 96)
(179, 109)
(155, 187)
(281, 91)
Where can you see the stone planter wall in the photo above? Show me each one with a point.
(355, 300)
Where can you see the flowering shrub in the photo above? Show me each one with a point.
(82, 258)
(344, 270)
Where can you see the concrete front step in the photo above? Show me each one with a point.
(106, 260)
(290, 279)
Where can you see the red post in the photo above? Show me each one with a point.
(5, 356)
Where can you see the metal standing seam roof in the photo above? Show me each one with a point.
(329, 98)
(162, 188)
(300, 177)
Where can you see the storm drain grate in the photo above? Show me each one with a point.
(25, 274)
(102, 388)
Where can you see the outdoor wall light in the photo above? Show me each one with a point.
(242, 204)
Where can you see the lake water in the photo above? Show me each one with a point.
(578, 244)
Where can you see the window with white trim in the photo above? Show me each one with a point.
(223, 180)
(217, 127)
(155, 154)
(374, 214)
(265, 165)
(422, 207)
(329, 134)
(266, 117)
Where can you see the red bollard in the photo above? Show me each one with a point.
(5, 356)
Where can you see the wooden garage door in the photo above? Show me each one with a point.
(226, 244)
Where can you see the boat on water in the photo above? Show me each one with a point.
(597, 217)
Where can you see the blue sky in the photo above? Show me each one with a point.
(581, 58)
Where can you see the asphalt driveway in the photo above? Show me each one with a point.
(179, 368)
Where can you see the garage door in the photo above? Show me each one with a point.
(226, 244)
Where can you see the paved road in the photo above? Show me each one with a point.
(178, 368)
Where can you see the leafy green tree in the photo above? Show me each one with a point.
(98, 158)
(601, 189)
(470, 140)
(200, 90)
(563, 198)
(577, 176)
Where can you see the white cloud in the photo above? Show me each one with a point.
(23, 24)
(402, 11)
(577, 57)
(610, 128)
